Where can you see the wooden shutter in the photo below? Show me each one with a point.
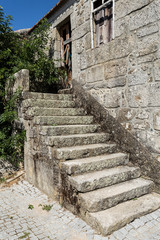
(97, 27)
(104, 24)
(110, 22)
(99, 21)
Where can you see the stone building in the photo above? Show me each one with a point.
(112, 49)
(97, 150)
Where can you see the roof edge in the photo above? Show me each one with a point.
(48, 14)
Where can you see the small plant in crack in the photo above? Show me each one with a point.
(26, 235)
(47, 207)
(2, 180)
(30, 206)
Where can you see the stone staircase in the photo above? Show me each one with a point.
(93, 176)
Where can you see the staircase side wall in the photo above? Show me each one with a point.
(41, 169)
(127, 142)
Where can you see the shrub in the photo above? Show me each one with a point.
(18, 52)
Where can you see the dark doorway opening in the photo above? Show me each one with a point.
(66, 52)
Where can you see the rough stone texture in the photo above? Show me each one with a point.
(47, 104)
(94, 163)
(123, 213)
(122, 73)
(21, 80)
(91, 181)
(66, 130)
(77, 139)
(45, 157)
(115, 68)
(84, 151)
(47, 96)
(108, 197)
(123, 76)
(95, 74)
(156, 123)
(42, 169)
(125, 8)
(62, 120)
(139, 155)
(125, 72)
(154, 95)
(53, 112)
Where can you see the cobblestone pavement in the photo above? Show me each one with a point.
(17, 221)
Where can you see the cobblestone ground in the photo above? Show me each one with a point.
(17, 221)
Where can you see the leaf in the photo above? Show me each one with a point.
(30, 206)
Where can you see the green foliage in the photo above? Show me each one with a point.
(26, 52)
(11, 141)
(2, 180)
(26, 235)
(20, 52)
(9, 51)
(34, 56)
(30, 206)
(47, 207)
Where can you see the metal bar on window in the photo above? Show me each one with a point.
(103, 5)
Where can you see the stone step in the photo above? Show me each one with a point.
(84, 151)
(100, 179)
(70, 129)
(47, 103)
(77, 139)
(47, 96)
(62, 120)
(95, 163)
(65, 91)
(117, 217)
(108, 197)
(39, 111)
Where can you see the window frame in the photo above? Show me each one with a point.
(104, 4)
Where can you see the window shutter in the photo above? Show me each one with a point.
(99, 21)
(110, 20)
(97, 27)
(103, 22)
(106, 26)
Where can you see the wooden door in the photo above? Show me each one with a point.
(66, 53)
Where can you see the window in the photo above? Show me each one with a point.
(102, 19)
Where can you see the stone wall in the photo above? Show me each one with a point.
(124, 74)
(139, 155)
